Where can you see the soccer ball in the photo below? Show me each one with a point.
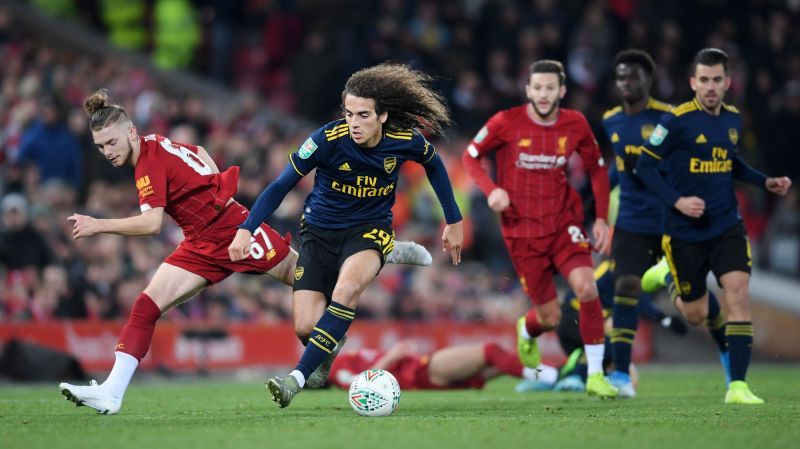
(374, 392)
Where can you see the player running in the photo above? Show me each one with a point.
(541, 215)
(182, 181)
(636, 244)
(697, 143)
(347, 221)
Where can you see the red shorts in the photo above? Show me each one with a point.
(207, 255)
(412, 374)
(537, 259)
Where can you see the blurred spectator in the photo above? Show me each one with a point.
(313, 72)
(49, 145)
(782, 239)
(21, 246)
(125, 21)
(291, 53)
(176, 33)
(782, 135)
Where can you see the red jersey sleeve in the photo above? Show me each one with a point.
(193, 148)
(487, 140)
(592, 157)
(151, 179)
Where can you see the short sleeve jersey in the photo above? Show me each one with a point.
(171, 175)
(355, 185)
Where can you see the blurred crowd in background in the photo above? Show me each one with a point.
(294, 56)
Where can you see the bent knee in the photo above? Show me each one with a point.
(303, 326)
(550, 319)
(586, 291)
(695, 318)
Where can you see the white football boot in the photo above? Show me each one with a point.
(93, 396)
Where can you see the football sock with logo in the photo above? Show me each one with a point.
(326, 334)
(739, 335)
(716, 322)
(626, 321)
(138, 332)
(532, 324)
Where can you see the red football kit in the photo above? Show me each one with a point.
(172, 176)
(410, 371)
(542, 226)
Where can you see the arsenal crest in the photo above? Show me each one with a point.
(389, 164)
(646, 131)
(733, 135)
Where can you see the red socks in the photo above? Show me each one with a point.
(506, 362)
(532, 324)
(138, 332)
(591, 322)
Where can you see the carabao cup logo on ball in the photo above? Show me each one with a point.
(374, 392)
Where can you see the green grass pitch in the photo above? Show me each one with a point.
(677, 407)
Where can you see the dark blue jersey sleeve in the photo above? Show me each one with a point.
(271, 198)
(654, 150)
(437, 175)
(747, 174)
(313, 151)
(613, 176)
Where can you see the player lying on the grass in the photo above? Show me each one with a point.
(182, 181)
(454, 367)
(572, 376)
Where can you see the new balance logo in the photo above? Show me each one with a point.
(345, 167)
(701, 139)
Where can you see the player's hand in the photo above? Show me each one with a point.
(453, 240)
(498, 200)
(602, 236)
(83, 226)
(240, 246)
(691, 206)
(779, 186)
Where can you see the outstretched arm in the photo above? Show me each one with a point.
(749, 175)
(148, 223)
(453, 235)
(402, 348)
(265, 205)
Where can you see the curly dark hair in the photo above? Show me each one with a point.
(635, 56)
(404, 93)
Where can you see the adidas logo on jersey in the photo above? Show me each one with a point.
(701, 139)
(345, 167)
